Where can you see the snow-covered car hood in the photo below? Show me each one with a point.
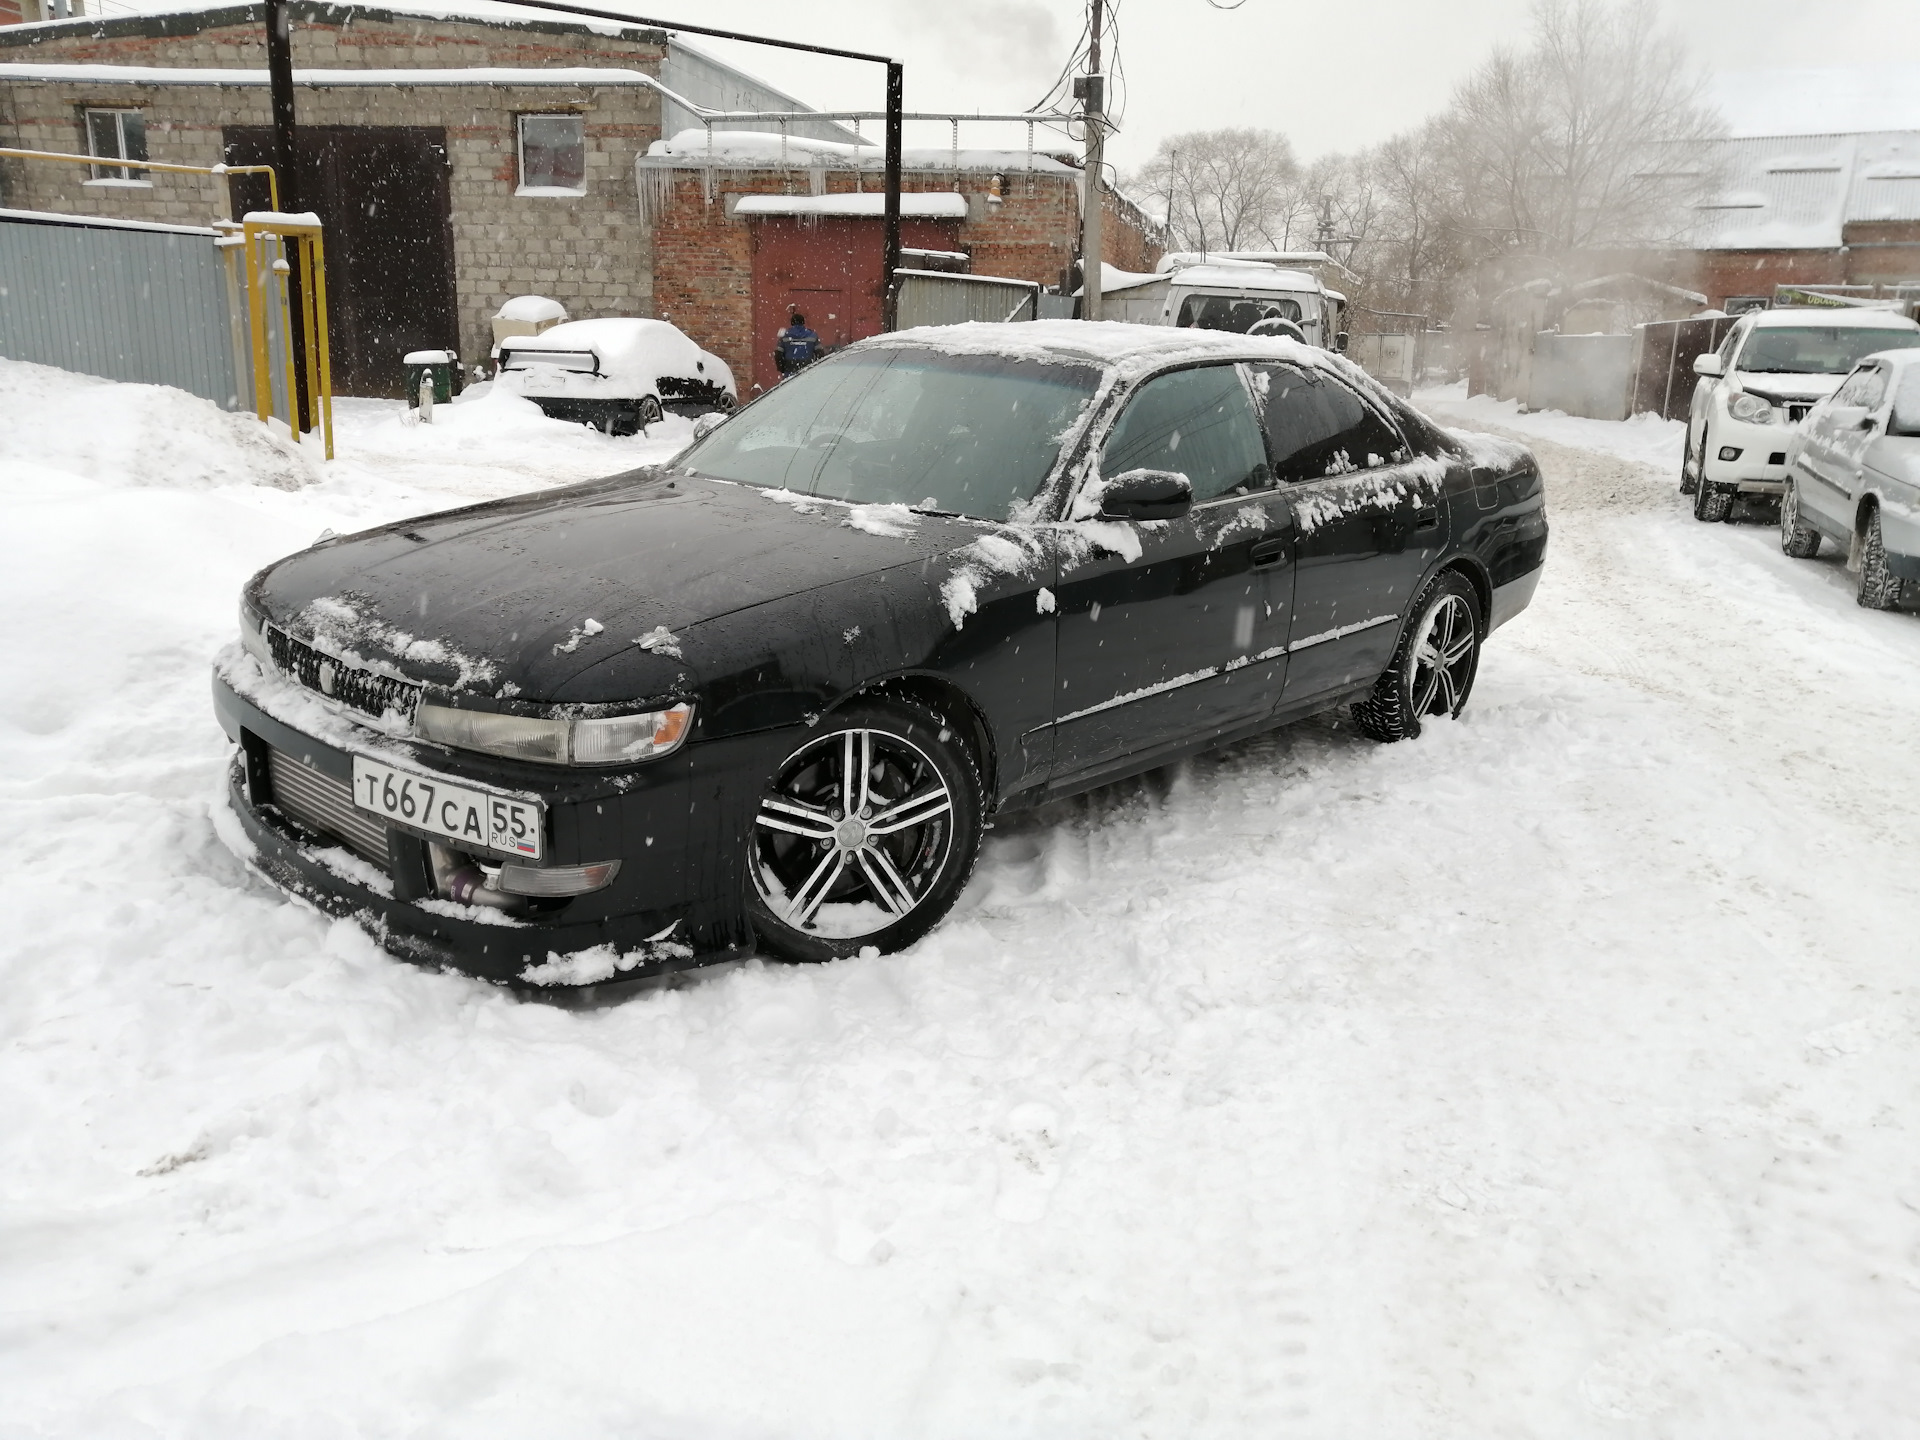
(612, 359)
(1783, 387)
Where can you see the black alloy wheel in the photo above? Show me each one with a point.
(1880, 588)
(648, 412)
(1797, 538)
(1433, 666)
(1711, 503)
(865, 835)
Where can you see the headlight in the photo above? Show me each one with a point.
(253, 635)
(608, 740)
(1753, 409)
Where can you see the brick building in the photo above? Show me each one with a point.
(459, 160)
(752, 227)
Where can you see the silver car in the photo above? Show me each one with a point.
(1853, 477)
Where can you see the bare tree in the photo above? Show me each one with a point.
(1591, 137)
(1224, 189)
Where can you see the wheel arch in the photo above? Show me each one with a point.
(1863, 510)
(1475, 571)
(953, 705)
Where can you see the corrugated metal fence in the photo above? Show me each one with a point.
(932, 297)
(122, 299)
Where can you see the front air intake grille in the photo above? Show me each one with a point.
(1796, 412)
(351, 685)
(325, 805)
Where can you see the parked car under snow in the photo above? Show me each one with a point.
(772, 692)
(616, 375)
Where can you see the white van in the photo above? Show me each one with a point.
(1245, 297)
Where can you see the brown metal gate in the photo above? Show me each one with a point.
(1663, 362)
(382, 193)
(828, 268)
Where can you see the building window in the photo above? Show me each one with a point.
(119, 135)
(553, 155)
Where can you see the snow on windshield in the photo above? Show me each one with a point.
(973, 435)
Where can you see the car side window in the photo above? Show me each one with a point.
(1198, 423)
(1317, 427)
(1866, 386)
(1735, 334)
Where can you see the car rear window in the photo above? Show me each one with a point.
(969, 435)
(1817, 349)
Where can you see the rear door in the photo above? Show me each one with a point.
(1175, 631)
(1368, 521)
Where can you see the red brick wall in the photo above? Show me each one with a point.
(703, 261)
(1883, 251)
(1720, 274)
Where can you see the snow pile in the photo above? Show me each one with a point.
(1646, 438)
(52, 421)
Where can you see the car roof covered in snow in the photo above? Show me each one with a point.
(1869, 316)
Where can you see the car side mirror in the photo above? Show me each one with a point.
(1340, 342)
(1708, 365)
(1146, 495)
(707, 424)
(1851, 417)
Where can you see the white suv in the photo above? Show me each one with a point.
(1771, 369)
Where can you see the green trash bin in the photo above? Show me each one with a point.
(441, 366)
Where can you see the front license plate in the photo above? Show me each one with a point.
(459, 812)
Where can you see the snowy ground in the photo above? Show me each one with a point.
(1552, 1075)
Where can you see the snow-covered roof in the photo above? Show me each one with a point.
(1246, 277)
(1818, 100)
(98, 74)
(101, 222)
(1798, 192)
(218, 12)
(933, 205)
(1872, 317)
(741, 149)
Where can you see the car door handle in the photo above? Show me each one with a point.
(1269, 553)
(1426, 520)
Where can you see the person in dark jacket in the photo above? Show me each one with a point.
(795, 347)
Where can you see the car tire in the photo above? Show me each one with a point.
(1880, 588)
(1711, 503)
(1433, 666)
(819, 888)
(648, 412)
(1797, 538)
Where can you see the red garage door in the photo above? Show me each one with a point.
(827, 268)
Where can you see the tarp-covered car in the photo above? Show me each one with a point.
(615, 375)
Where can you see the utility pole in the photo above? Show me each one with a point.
(286, 169)
(1092, 90)
(890, 240)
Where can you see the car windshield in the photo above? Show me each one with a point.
(1817, 349)
(1238, 315)
(960, 434)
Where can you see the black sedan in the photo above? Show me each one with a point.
(769, 695)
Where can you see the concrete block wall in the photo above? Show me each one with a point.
(590, 252)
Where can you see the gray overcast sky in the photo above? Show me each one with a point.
(1332, 76)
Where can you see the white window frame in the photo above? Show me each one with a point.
(520, 148)
(124, 173)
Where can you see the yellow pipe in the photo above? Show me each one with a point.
(257, 319)
(273, 181)
(326, 357)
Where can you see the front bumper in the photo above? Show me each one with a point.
(1760, 468)
(675, 824)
